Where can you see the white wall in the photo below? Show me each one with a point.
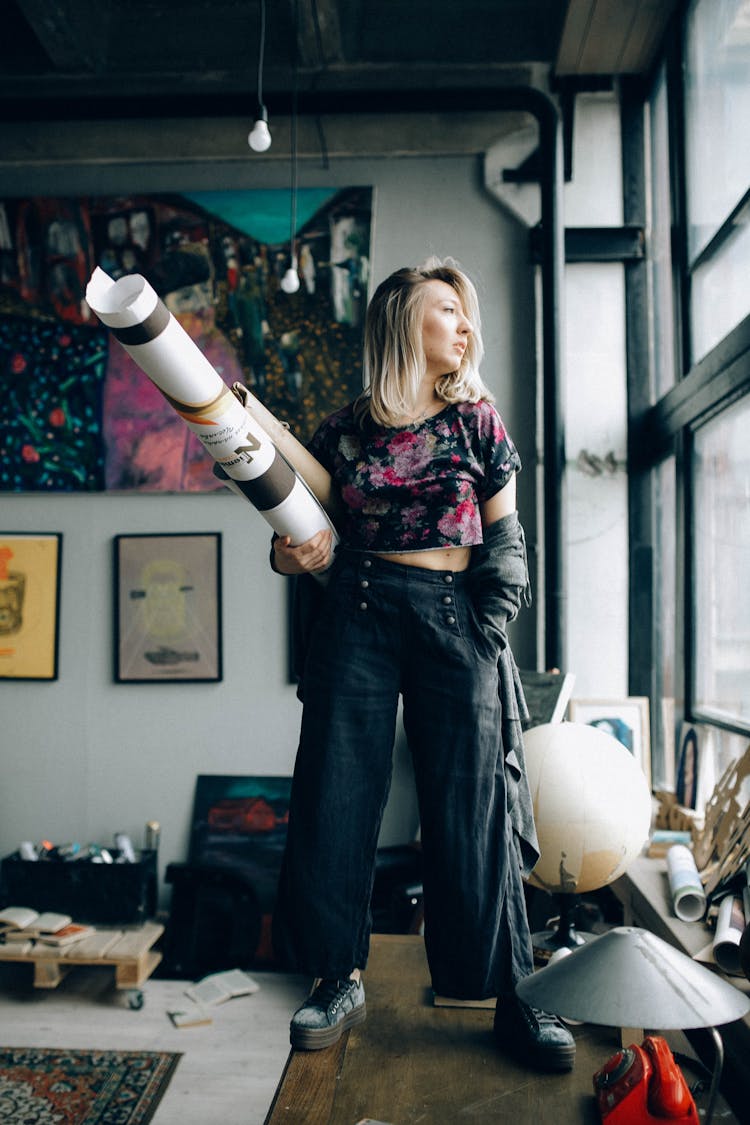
(83, 757)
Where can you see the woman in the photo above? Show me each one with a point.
(430, 569)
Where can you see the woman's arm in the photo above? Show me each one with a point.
(499, 505)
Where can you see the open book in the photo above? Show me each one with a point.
(218, 987)
(31, 922)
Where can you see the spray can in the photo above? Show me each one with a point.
(151, 836)
(122, 842)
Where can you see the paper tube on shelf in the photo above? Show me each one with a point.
(688, 896)
(730, 925)
(230, 434)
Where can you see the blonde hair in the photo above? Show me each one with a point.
(394, 360)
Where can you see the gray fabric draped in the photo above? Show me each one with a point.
(500, 581)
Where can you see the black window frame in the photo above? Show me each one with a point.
(665, 427)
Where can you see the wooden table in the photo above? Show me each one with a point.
(413, 1062)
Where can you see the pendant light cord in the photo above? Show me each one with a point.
(261, 50)
(293, 220)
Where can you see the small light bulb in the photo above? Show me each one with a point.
(290, 280)
(259, 138)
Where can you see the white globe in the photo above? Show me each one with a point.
(592, 806)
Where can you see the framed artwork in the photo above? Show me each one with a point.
(239, 826)
(626, 719)
(76, 411)
(688, 761)
(547, 695)
(29, 604)
(168, 608)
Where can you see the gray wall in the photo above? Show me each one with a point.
(83, 757)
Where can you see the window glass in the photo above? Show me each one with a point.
(665, 598)
(720, 293)
(717, 109)
(721, 553)
(660, 257)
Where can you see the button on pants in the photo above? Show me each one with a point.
(387, 630)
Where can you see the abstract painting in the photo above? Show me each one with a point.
(78, 414)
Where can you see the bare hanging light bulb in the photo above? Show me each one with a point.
(259, 137)
(290, 280)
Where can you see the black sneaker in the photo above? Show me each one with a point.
(533, 1037)
(331, 1008)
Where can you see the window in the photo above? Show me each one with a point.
(693, 440)
(661, 279)
(717, 107)
(721, 558)
(666, 680)
(717, 166)
(720, 293)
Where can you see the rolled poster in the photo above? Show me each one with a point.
(688, 896)
(730, 926)
(233, 437)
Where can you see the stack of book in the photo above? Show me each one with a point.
(22, 927)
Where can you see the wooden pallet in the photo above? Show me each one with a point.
(128, 951)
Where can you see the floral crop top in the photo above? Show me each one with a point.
(417, 488)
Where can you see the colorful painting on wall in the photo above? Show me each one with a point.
(76, 412)
(239, 826)
(29, 605)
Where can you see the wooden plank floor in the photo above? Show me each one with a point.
(411, 1062)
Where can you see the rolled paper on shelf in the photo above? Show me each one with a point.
(233, 437)
(730, 926)
(688, 895)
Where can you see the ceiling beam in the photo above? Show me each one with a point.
(72, 33)
(612, 36)
(172, 94)
(318, 33)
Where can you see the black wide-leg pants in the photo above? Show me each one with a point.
(387, 630)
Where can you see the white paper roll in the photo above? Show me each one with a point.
(234, 438)
(730, 926)
(688, 896)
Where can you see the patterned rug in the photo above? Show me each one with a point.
(47, 1086)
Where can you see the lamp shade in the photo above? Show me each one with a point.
(629, 977)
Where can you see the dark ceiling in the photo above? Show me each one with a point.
(104, 58)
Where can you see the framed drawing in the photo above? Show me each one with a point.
(626, 719)
(29, 605)
(168, 608)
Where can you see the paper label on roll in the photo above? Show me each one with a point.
(688, 896)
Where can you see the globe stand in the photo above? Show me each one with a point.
(564, 935)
